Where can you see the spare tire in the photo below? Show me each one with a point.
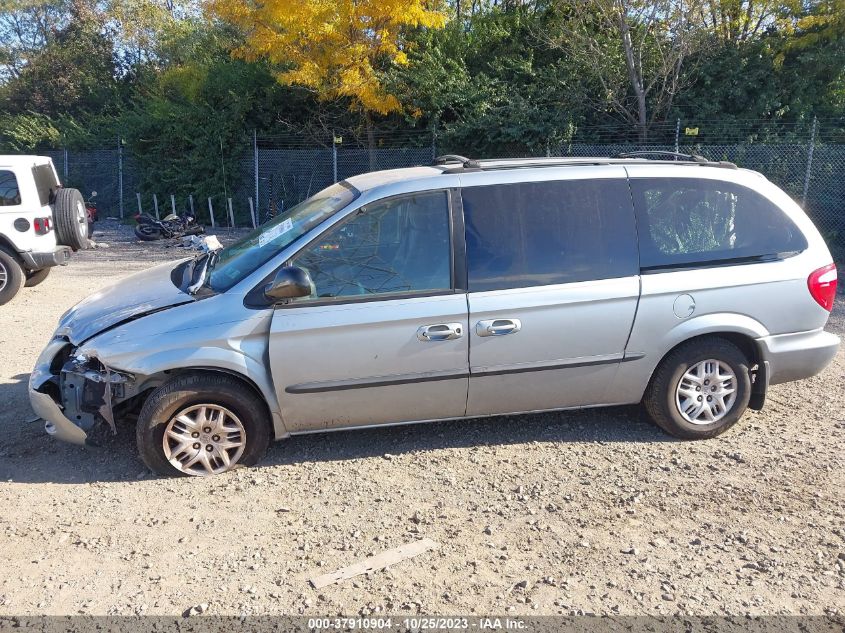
(71, 219)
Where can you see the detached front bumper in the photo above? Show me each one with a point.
(55, 423)
(75, 395)
(44, 404)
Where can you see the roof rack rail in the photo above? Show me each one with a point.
(454, 164)
(466, 163)
(678, 156)
(696, 158)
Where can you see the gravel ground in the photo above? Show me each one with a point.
(593, 511)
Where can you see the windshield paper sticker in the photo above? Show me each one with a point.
(276, 231)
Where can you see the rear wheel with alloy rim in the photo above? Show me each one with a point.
(202, 424)
(700, 389)
(706, 392)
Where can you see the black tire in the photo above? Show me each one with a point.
(71, 219)
(35, 277)
(12, 277)
(148, 233)
(660, 399)
(197, 389)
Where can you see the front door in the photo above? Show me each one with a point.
(383, 338)
(553, 289)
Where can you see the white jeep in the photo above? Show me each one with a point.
(41, 222)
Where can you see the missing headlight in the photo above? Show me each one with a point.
(88, 388)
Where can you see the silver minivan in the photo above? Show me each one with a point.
(463, 289)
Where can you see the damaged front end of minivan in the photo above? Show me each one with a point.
(77, 394)
(74, 387)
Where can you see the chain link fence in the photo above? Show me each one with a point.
(281, 171)
(284, 174)
(108, 172)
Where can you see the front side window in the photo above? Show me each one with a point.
(399, 245)
(686, 221)
(543, 233)
(237, 261)
(10, 195)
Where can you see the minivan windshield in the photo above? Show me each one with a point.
(240, 259)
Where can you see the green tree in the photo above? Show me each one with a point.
(26, 27)
(823, 21)
(767, 80)
(744, 20)
(631, 53)
(489, 86)
(73, 74)
(190, 125)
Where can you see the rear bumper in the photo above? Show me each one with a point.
(798, 356)
(36, 261)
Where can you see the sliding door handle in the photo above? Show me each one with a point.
(498, 327)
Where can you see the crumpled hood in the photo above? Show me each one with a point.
(132, 297)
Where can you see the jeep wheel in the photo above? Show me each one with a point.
(11, 277)
(71, 219)
(35, 277)
(202, 424)
(699, 390)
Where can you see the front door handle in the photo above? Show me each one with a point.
(440, 332)
(498, 327)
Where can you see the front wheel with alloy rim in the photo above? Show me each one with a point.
(700, 389)
(202, 424)
(11, 277)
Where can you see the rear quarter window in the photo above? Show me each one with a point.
(10, 194)
(688, 221)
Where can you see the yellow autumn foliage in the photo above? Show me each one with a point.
(335, 47)
(827, 22)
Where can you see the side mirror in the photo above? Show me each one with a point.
(93, 194)
(290, 282)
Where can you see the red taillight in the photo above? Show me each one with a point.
(822, 285)
(41, 225)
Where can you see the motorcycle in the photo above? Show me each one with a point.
(91, 207)
(150, 229)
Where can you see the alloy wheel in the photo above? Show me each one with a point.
(706, 392)
(204, 439)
